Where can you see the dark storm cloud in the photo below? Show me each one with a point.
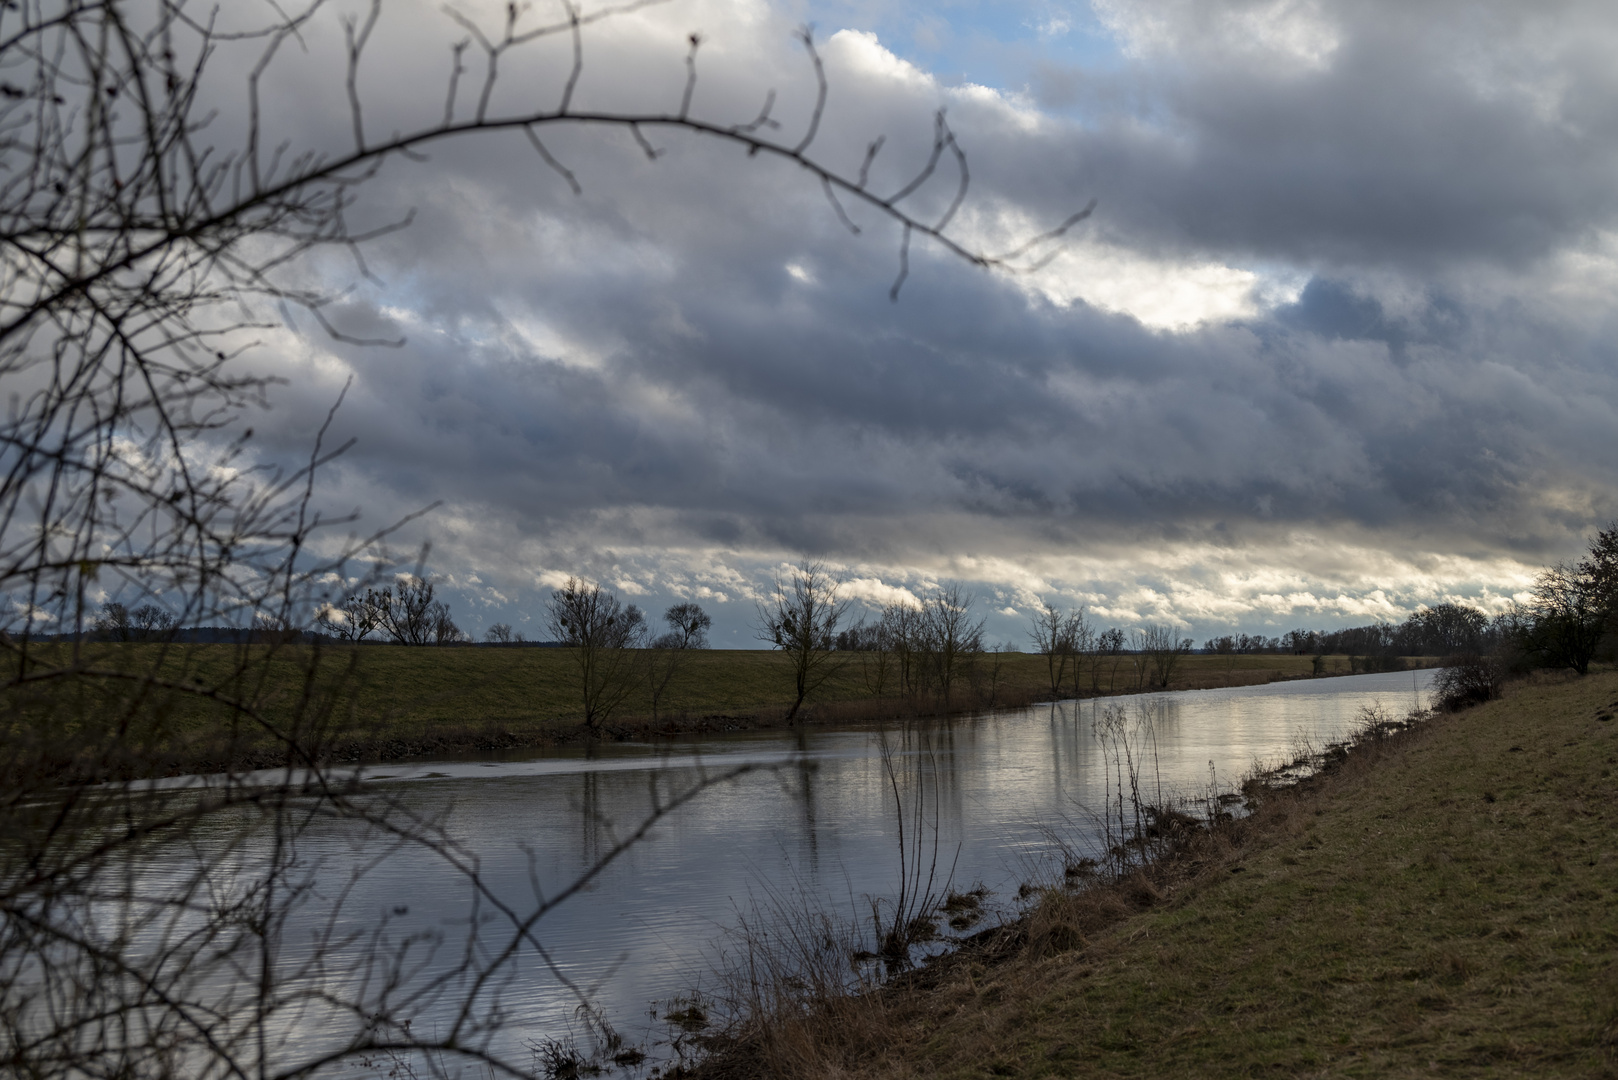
(695, 356)
(1423, 134)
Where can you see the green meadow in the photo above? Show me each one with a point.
(201, 701)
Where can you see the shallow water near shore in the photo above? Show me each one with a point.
(815, 819)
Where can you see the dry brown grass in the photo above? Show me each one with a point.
(1444, 903)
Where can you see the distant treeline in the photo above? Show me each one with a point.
(1441, 630)
(1568, 620)
(150, 623)
(237, 635)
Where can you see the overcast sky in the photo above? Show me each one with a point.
(1338, 340)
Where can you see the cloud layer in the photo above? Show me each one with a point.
(1338, 340)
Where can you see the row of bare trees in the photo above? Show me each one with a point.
(1077, 654)
(407, 612)
(615, 653)
(148, 622)
(923, 650)
(917, 650)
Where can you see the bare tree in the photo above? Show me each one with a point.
(992, 671)
(1158, 649)
(603, 636)
(353, 619)
(152, 623)
(688, 629)
(408, 612)
(875, 645)
(1567, 617)
(444, 630)
(902, 634)
(800, 618)
(1062, 638)
(1081, 642)
(498, 634)
(1050, 639)
(1109, 653)
(953, 640)
(113, 623)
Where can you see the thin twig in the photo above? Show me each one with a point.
(831, 197)
(690, 75)
(560, 169)
(807, 36)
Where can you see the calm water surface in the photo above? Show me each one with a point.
(817, 820)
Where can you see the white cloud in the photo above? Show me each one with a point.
(877, 593)
(1287, 32)
(860, 54)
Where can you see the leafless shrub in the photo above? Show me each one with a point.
(1129, 747)
(1468, 679)
(796, 980)
(912, 913)
(1158, 650)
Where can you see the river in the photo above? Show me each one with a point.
(814, 824)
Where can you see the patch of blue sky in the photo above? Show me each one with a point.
(994, 43)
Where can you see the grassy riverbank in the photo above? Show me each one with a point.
(381, 702)
(1444, 903)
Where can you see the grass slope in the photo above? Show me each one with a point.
(402, 700)
(1449, 909)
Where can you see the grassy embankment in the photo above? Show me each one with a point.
(385, 701)
(1444, 903)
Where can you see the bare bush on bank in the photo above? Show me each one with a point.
(1469, 679)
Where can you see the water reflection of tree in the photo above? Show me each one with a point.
(806, 798)
(590, 816)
